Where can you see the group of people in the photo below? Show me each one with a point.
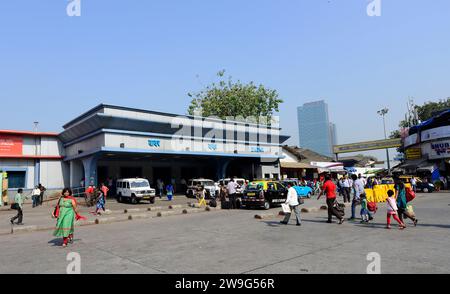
(228, 194)
(97, 197)
(168, 189)
(38, 195)
(397, 204)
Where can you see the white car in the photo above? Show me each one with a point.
(209, 185)
(135, 190)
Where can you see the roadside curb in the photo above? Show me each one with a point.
(111, 219)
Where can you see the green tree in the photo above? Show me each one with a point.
(430, 109)
(235, 99)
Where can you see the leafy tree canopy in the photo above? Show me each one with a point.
(235, 99)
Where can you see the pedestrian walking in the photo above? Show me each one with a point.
(402, 204)
(392, 209)
(41, 195)
(329, 189)
(100, 202)
(105, 190)
(35, 196)
(90, 191)
(169, 192)
(232, 189)
(66, 212)
(414, 184)
(358, 186)
(292, 201)
(18, 205)
(160, 186)
(345, 185)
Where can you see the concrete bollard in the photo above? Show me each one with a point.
(264, 215)
(324, 207)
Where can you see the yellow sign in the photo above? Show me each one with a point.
(366, 146)
(413, 153)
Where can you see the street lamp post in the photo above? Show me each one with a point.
(383, 113)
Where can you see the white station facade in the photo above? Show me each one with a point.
(120, 142)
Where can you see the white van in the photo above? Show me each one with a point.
(134, 190)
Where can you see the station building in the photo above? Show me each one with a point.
(120, 142)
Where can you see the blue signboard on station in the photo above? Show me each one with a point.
(154, 143)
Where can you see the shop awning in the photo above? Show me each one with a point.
(297, 165)
(416, 165)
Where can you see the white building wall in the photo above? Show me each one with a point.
(168, 144)
(51, 146)
(169, 119)
(30, 146)
(54, 174)
(87, 145)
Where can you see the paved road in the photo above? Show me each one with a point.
(234, 242)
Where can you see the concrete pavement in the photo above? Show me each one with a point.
(234, 242)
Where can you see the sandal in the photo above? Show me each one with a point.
(415, 222)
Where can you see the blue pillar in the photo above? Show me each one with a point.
(90, 170)
(37, 172)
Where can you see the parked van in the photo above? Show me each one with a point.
(134, 190)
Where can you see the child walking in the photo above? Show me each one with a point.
(392, 211)
(364, 211)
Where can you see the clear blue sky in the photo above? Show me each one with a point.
(149, 54)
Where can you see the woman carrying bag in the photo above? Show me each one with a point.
(66, 212)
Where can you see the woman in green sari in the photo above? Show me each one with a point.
(66, 212)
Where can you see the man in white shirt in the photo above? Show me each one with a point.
(345, 184)
(231, 188)
(292, 201)
(414, 184)
(35, 196)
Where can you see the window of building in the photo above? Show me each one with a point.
(16, 179)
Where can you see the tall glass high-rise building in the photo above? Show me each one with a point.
(315, 130)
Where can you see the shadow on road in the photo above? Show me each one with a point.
(56, 242)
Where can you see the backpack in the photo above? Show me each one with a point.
(213, 203)
(410, 195)
(372, 206)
